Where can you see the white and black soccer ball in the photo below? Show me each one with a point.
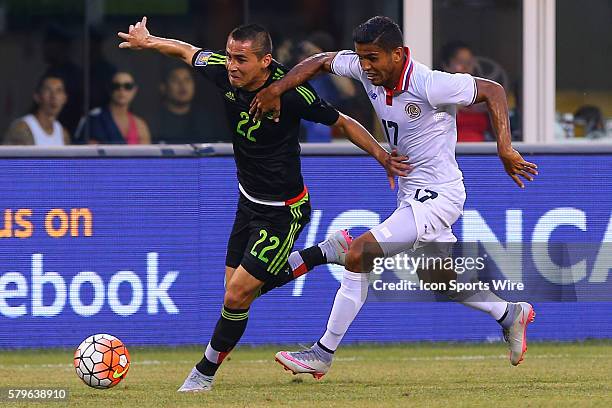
(101, 361)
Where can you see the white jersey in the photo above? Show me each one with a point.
(418, 117)
(42, 138)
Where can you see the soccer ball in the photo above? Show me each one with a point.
(101, 361)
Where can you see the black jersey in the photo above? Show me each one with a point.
(267, 153)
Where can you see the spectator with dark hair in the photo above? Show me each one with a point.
(457, 56)
(473, 123)
(114, 123)
(588, 122)
(41, 127)
(57, 52)
(179, 121)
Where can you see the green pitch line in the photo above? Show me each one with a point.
(457, 375)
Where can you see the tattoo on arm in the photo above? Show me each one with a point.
(19, 134)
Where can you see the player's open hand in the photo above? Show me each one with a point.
(516, 166)
(266, 101)
(396, 165)
(137, 36)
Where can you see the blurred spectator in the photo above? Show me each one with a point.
(114, 123)
(101, 70)
(41, 127)
(284, 52)
(179, 122)
(589, 123)
(57, 52)
(333, 88)
(472, 121)
(457, 56)
(337, 90)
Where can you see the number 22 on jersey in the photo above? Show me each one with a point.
(241, 125)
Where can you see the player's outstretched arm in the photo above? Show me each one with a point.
(268, 99)
(393, 164)
(495, 97)
(138, 37)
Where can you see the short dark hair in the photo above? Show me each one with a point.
(381, 31)
(41, 83)
(591, 115)
(450, 49)
(257, 34)
(49, 75)
(170, 69)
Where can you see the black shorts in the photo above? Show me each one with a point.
(263, 236)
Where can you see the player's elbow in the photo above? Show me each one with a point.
(319, 58)
(322, 61)
(342, 124)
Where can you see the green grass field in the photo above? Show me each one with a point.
(456, 375)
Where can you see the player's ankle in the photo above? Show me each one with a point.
(321, 346)
(508, 317)
(323, 353)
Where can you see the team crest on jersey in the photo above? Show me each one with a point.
(202, 58)
(413, 111)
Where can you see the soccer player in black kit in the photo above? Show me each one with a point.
(274, 204)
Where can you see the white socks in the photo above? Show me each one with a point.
(349, 299)
(353, 293)
(488, 302)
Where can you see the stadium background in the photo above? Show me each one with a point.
(172, 207)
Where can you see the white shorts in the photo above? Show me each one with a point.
(434, 210)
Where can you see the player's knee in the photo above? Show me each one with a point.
(357, 260)
(353, 260)
(360, 257)
(237, 297)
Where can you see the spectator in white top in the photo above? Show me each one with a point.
(41, 127)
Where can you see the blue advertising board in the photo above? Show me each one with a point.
(136, 247)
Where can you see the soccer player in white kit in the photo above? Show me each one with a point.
(417, 108)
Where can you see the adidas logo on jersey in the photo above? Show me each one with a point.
(230, 95)
(373, 95)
